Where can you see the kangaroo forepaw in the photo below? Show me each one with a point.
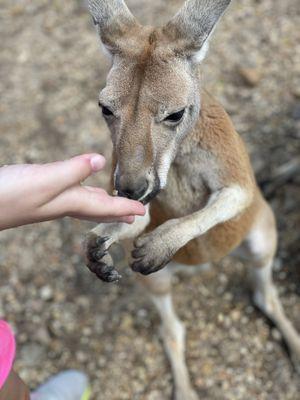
(99, 261)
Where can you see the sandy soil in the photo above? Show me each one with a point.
(50, 75)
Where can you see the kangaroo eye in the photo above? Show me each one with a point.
(106, 111)
(175, 117)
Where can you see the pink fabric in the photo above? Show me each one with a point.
(7, 351)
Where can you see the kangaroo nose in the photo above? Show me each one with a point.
(133, 191)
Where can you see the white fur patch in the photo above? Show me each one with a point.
(165, 166)
(258, 241)
(201, 54)
(116, 173)
(222, 206)
(118, 231)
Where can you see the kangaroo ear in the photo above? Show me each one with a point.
(193, 24)
(113, 20)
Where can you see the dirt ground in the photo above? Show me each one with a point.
(51, 70)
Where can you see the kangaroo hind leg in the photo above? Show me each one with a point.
(260, 246)
(172, 331)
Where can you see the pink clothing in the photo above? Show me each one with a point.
(7, 351)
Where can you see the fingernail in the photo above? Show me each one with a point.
(130, 220)
(97, 163)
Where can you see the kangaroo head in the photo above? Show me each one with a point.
(151, 99)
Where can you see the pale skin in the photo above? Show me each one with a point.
(31, 193)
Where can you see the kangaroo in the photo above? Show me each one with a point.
(175, 149)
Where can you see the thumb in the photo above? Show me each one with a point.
(81, 167)
(75, 170)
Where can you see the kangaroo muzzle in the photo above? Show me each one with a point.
(143, 187)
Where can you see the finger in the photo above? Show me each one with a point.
(118, 202)
(64, 174)
(96, 203)
(123, 206)
(128, 220)
(90, 205)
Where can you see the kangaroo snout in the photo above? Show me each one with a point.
(134, 189)
(143, 187)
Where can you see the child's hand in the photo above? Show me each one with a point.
(35, 193)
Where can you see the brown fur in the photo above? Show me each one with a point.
(215, 132)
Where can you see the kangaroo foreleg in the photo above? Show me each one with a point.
(155, 249)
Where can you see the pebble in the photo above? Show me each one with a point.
(251, 76)
(46, 293)
(276, 335)
(296, 112)
(81, 356)
(42, 335)
(32, 354)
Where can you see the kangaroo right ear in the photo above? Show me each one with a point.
(192, 26)
(113, 20)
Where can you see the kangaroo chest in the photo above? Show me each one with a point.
(191, 179)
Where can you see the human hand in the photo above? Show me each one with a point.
(40, 192)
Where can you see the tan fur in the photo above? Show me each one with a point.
(144, 59)
(205, 202)
(214, 132)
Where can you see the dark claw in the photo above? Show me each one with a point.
(100, 240)
(113, 277)
(137, 266)
(151, 270)
(105, 272)
(96, 241)
(96, 255)
(138, 253)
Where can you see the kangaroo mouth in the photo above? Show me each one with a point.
(150, 196)
(153, 192)
(147, 197)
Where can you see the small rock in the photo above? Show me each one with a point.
(249, 309)
(282, 276)
(87, 331)
(235, 315)
(269, 347)
(220, 318)
(42, 336)
(296, 90)
(296, 112)
(46, 293)
(81, 356)
(17, 10)
(32, 354)
(154, 395)
(126, 322)
(276, 335)
(251, 76)
(277, 264)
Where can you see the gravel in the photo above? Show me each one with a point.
(51, 72)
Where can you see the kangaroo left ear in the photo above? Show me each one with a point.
(190, 29)
(113, 20)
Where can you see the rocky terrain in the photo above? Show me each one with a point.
(51, 71)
